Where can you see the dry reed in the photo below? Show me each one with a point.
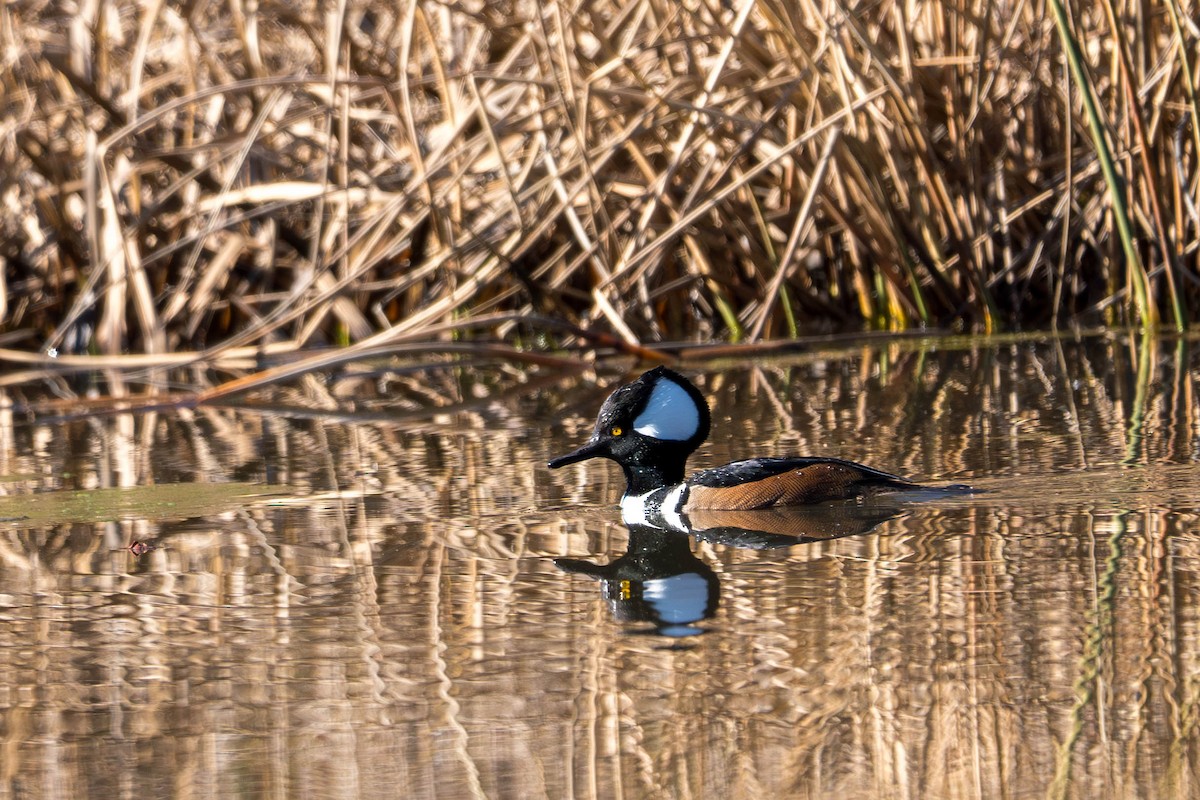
(233, 175)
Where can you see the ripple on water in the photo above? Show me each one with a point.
(392, 619)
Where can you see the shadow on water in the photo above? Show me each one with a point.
(367, 604)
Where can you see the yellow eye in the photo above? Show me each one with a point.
(616, 430)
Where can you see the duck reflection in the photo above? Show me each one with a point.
(660, 580)
(788, 526)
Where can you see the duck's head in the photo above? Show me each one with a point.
(649, 427)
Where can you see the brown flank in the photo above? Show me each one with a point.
(815, 483)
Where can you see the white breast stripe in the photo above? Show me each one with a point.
(633, 509)
(657, 508)
(670, 508)
(670, 413)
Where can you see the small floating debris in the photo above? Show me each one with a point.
(140, 548)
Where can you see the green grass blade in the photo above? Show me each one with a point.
(1146, 310)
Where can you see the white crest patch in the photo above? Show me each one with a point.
(670, 413)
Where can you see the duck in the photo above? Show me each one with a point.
(652, 425)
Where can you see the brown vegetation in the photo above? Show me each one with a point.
(232, 175)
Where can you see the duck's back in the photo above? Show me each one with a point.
(765, 482)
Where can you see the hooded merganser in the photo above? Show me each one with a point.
(652, 425)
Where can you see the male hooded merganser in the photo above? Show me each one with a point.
(652, 425)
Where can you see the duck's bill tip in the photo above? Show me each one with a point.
(589, 450)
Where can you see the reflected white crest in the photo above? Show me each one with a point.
(670, 413)
(679, 598)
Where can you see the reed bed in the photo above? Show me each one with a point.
(220, 177)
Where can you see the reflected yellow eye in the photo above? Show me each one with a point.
(616, 430)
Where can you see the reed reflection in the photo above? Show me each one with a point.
(393, 621)
(660, 581)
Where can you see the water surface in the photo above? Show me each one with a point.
(387, 594)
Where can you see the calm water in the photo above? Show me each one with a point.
(413, 606)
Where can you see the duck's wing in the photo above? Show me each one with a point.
(766, 482)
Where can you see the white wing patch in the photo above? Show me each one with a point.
(670, 413)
